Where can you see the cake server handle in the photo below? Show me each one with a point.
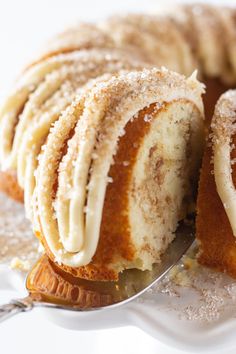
(14, 307)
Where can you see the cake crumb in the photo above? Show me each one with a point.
(20, 264)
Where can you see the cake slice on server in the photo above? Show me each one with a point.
(118, 172)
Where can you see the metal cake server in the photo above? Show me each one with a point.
(131, 284)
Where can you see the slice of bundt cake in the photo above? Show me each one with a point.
(118, 172)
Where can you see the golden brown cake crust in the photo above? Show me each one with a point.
(213, 230)
(9, 185)
(46, 282)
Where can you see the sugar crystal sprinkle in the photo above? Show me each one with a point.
(16, 238)
(194, 293)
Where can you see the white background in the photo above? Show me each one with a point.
(24, 26)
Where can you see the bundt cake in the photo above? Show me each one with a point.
(104, 145)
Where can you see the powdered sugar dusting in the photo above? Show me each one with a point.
(16, 237)
(195, 293)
